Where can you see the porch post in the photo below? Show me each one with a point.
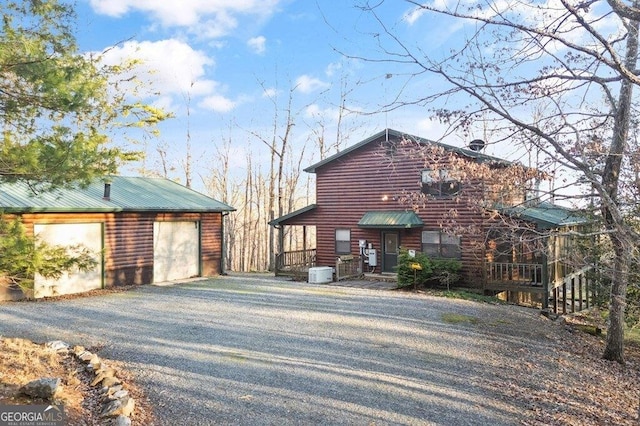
(304, 237)
(279, 255)
(587, 293)
(304, 246)
(580, 292)
(545, 279)
(573, 294)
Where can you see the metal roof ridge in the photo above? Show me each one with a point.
(388, 131)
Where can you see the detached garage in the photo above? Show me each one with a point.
(142, 230)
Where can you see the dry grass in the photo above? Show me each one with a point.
(22, 361)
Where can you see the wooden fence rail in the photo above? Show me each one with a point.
(348, 267)
(292, 261)
(520, 273)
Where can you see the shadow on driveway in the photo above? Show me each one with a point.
(254, 350)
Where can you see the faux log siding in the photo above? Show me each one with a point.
(135, 263)
(356, 183)
(28, 219)
(128, 241)
(211, 243)
(129, 249)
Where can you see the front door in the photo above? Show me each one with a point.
(390, 251)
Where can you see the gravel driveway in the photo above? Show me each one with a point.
(258, 351)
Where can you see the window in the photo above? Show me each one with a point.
(440, 244)
(438, 183)
(343, 241)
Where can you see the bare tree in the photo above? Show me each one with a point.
(278, 143)
(326, 142)
(559, 76)
(222, 185)
(187, 162)
(271, 184)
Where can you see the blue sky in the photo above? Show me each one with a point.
(235, 62)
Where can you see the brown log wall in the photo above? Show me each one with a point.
(357, 182)
(211, 243)
(128, 241)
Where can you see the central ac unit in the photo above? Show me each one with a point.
(320, 275)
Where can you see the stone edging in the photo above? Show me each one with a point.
(117, 404)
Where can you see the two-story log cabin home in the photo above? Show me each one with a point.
(395, 190)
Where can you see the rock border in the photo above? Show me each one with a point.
(117, 404)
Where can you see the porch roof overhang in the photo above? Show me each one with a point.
(279, 221)
(546, 215)
(395, 219)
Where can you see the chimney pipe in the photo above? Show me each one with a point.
(107, 191)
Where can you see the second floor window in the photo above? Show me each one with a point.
(439, 184)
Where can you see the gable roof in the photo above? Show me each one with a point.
(127, 194)
(390, 133)
(279, 220)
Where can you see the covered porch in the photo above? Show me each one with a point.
(294, 263)
(295, 253)
(536, 256)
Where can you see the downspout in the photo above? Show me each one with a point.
(223, 247)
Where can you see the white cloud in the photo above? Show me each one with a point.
(218, 103)
(257, 44)
(427, 126)
(165, 103)
(208, 18)
(168, 66)
(346, 68)
(308, 84)
(269, 92)
(413, 15)
(332, 68)
(170, 70)
(322, 114)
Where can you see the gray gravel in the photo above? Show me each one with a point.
(259, 351)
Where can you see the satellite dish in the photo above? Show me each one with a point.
(476, 145)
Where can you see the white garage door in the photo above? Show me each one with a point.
(176, 250)
(69, 234)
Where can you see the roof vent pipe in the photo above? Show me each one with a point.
(107, 191)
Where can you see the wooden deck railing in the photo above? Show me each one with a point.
(297, 260)
(348, 267)
(569, 293)
(517, 273)
(573, 292)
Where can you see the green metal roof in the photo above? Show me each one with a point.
(390, 133)
(279, 220)
(545, 215)
(127, 194)
(390, 219)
